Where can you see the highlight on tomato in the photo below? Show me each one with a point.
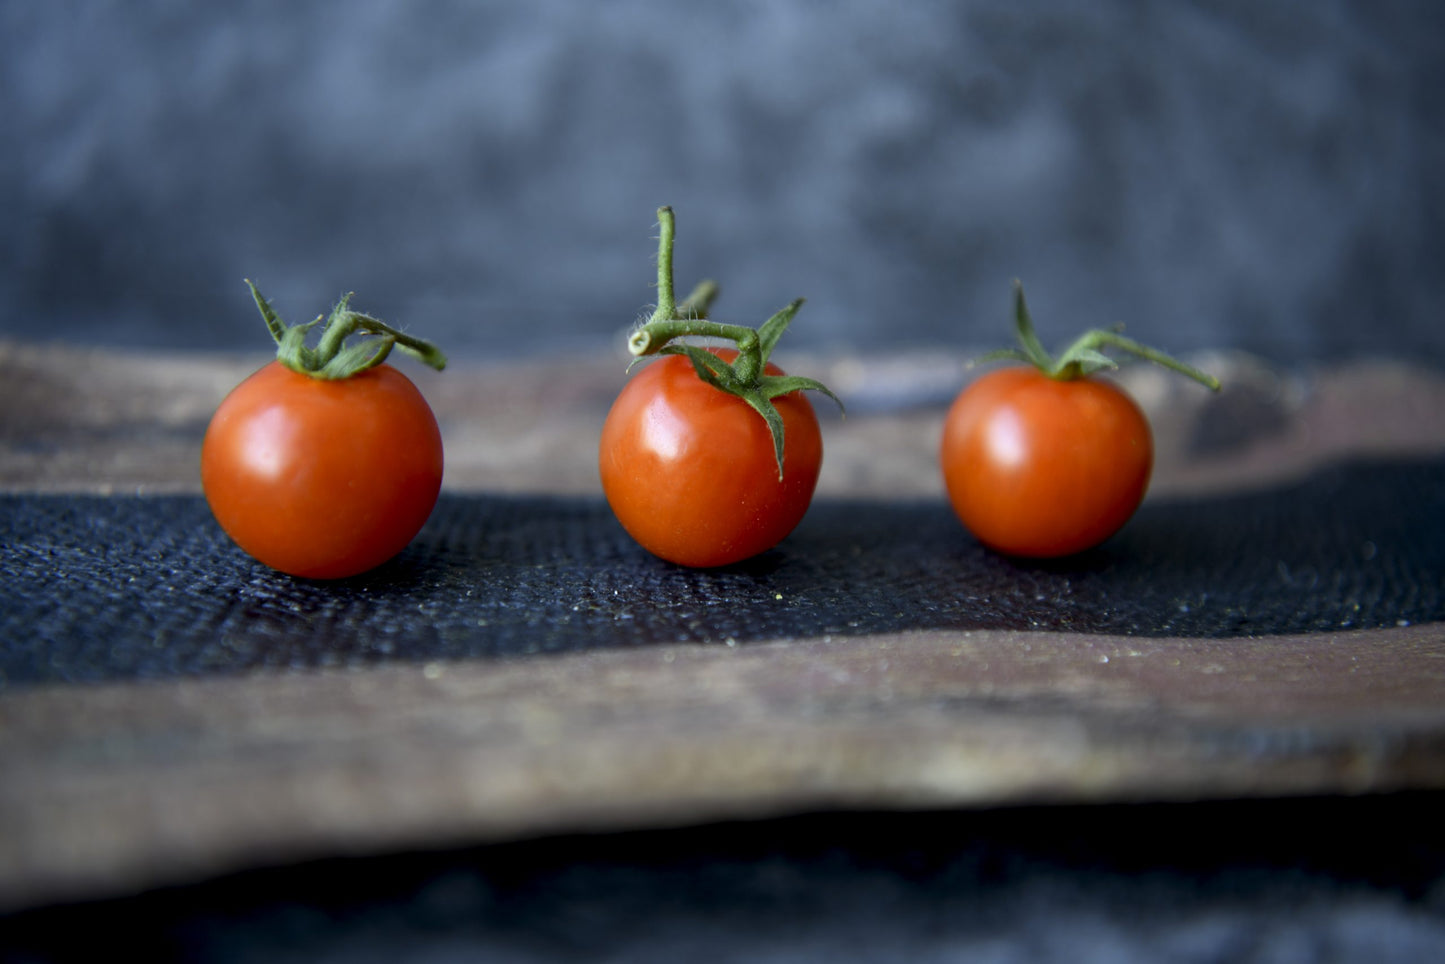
(1047, 459)
(709, 455)
(326, 462)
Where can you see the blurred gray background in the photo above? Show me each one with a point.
(1263, 176)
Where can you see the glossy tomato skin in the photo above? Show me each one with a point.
(322, 479)
(690, 471)
(1039, 467)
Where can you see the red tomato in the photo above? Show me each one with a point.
(322, 479)
(690, 470)
(1036, 466)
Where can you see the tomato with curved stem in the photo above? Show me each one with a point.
(326, 462)
(689, 470)
(1049, 460)
(709, 456)
(1040, 467)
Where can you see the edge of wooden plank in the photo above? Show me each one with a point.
(76, 420)
(114, 788)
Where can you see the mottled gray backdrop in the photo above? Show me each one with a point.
(1226, 173)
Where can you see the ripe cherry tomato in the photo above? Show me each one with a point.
(1050, 460)
(691, 472)
(322, 478)
(326, 462)
(709, 455)
(1038, 466)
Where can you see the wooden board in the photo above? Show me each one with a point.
(110, 788)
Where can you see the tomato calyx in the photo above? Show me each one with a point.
(1085, 356)
(746, 375)
(332, 359)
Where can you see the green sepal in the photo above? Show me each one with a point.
(355, 359)
(339, 309)
(1034, 349)
(291, 346)
(774, 386)
(1084, 357)
(332, 359)
(274, 324)
(772, 329)
(1085, 361)
(764, 406)
(709, 367)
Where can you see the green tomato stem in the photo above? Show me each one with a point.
(332, 358)
(667, 228)
(1085, 356)
(697, 303)
(652, 337)
(745, 376)
(670, 321)
(1093, 341)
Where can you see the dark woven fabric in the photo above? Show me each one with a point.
(99, 588)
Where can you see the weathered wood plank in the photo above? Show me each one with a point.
(86, 421)
(116, 787)
(111, 788)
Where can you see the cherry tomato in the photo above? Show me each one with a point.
(1042, 467)
(691, 471)
(322, 478)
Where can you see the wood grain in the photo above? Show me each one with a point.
(113, 788)
(117, 787)
(91, 421)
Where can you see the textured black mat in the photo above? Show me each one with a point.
(101, 588)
